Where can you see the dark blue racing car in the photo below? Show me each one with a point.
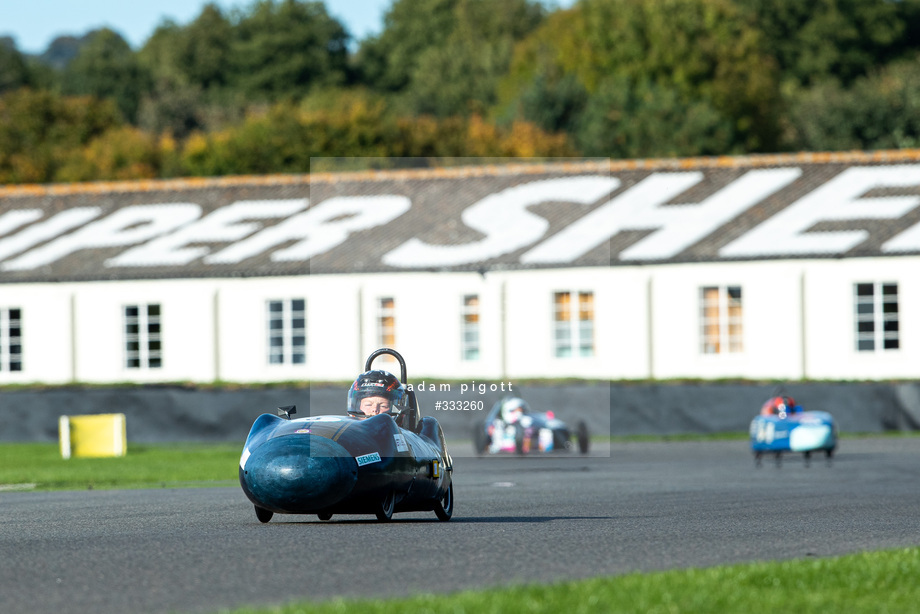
(382, 457)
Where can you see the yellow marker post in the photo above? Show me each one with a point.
(92, 436)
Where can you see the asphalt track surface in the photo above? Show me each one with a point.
(646, 506)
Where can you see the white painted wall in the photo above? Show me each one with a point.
(619, 329)
(216, 328)
(241, 306)
(428, 322)
(771, 321)
(830, 334)
(46, 312)
(187, 330)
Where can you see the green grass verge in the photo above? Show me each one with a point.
(144, 466)
(865, 583)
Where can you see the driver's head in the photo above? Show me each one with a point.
(513, 409)
(375, 392)
(371, 406)
(786, 406)
(781, 406)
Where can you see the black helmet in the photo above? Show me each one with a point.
(377, 383)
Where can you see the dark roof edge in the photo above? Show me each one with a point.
(579, 165)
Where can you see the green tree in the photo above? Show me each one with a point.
(707, 52)
(446, 57)
(286, 137)
(14, 71)
(191, 68)
(106, 67)
(62, 51)
(644, 119)
(284, 49)
(840, 39)
(386, 62)
(120, 153)
(878, 111)
(554, 102)
(38, 129)
(198, 54)
(205, 49)
(461, 76)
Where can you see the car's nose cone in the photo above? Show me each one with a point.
(810, 437)
(299, 473)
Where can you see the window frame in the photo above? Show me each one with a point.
(149, 352)
(718, 334)
(11, 350)
(386, 321)
(470, 332)
(878, 328)
(574, 321)
(288, 326)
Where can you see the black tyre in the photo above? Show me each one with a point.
(263, 514)
(519, 439)
(444, 507)
(584, 440)
(384, 511)
(480, 439)
(561, 440)
(324, 516)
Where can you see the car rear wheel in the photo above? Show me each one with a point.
(480, 438)
(519, 439)
(584, 440)
(324, 516)
(444, 507)
(384, 511)
(263, 514)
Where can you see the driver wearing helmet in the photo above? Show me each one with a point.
(513, 409)
(512, 416)
(376, 392)
(780, 406)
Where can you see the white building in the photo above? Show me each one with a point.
(770, 267)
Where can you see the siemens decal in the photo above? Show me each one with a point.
(502, 222)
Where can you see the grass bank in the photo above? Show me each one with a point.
(865, 583)
(39, 466)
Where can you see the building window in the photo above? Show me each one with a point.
(720, 320)
(143, 337)
(10, 339)
(876, 311)
(469, 327)
(573, 324)
(386, 322)
(287, 331)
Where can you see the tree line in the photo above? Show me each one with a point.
(270, 87)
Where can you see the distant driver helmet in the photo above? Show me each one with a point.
(781, 406)
(513, 409)
(376, 392)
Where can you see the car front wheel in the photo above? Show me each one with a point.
(384, 511)
(584, 439)
(444, 507)
(263, 514)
